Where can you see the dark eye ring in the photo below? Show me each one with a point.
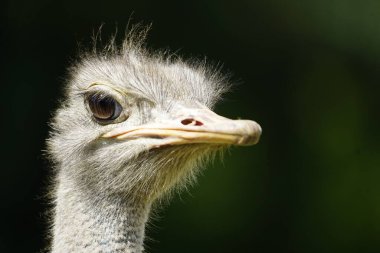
(104, 107)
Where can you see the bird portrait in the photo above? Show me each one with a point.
(129, 126)
(133, 126)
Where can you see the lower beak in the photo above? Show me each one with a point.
(194, 126)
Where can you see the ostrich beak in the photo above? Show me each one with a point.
(193, 126)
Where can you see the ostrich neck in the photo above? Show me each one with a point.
(90, 222)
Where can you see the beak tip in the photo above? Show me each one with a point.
(253, 135)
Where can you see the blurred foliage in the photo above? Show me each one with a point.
(307, 71)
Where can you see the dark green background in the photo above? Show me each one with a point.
(308, 72)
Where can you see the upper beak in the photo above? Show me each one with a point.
(194, 126)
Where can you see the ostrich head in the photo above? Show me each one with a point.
(135, 124)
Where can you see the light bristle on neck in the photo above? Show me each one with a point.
(92, 223)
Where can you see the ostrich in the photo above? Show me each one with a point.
(133, 126)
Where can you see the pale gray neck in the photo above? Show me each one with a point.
(95, 223)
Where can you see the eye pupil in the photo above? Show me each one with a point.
(104, 107)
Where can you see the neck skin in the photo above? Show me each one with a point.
(90, 222)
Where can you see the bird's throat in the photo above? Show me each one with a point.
(86, 222)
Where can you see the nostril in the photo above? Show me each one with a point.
(187, 121)
(198, 123)
(191, 122)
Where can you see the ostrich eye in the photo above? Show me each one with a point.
(104, 107)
